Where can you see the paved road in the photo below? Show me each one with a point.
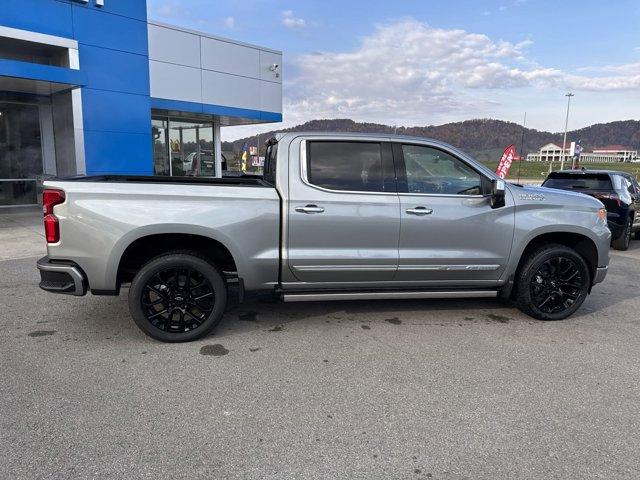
(414, 389)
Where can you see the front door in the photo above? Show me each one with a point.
(449, 230)
(343, 212)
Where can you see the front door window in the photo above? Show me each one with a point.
(434, 171)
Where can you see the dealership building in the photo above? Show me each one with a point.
(93, 87)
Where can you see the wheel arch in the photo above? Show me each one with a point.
(139, 247)
(579, 242)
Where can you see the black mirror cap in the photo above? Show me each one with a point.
(497, 193)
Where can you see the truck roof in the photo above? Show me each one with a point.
(391, 136)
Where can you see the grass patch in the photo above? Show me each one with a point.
(539, 170)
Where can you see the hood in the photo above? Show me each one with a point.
(528, 194)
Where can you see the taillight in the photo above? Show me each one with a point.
(608, 196)
(51, 198)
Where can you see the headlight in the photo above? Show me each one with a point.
(602, 214)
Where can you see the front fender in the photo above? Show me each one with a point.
(533, 222)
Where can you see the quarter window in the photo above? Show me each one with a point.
(430, 170)
(351, 166)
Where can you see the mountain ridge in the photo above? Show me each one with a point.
(484, 138)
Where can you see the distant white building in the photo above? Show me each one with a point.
(548, 153)
(610, 154)
(552, 152)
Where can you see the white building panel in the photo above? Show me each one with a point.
(174, 46)
(227, 57)
(270, 97)
(230, 90)
(175, 82)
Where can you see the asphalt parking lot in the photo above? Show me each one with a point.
(414, 389)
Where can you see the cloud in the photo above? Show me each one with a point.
(291, 21)
(415, 70)
(171, 9)
(230, 22)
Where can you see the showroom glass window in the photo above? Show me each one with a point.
(159, 132)
(346, 166)
(182, 147)
(434, 171)
(20, 153)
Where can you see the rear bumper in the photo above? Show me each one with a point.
(601, 272)
(61, 276)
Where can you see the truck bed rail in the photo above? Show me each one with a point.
(246, 181)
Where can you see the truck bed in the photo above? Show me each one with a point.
(103, 215)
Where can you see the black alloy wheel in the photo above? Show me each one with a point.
(177, 297)
(556, 285)
(552, 283)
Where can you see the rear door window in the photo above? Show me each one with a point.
(579, 182)
(349, 166)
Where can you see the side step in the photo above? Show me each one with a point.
(390, 295)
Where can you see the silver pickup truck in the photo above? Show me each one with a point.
(334, 217)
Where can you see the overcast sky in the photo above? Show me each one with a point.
(432, 62)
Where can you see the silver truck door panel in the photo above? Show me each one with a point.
(449, 230)
(462, 238)
(341, 236)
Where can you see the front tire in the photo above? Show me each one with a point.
(553, 283)
(623, 241)
(177, 297)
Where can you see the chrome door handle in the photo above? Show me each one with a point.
(420, 211)
(310, 209)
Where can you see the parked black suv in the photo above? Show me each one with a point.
(618, 191)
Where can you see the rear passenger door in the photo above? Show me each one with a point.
(343, 211)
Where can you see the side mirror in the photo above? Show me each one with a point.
(497, 193)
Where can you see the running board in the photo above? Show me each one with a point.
(328, 296)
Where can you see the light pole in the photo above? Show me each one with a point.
(566, 124)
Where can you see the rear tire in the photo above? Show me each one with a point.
(637, 235)
(177, 297)
(553, 283)
(622, 242)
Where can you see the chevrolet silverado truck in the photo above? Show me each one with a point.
(334, 217)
